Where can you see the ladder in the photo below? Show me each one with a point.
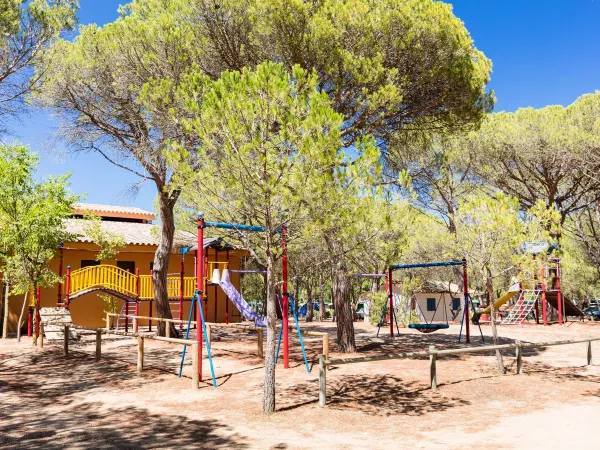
(128, 309)
(522, 308)
(175, 312)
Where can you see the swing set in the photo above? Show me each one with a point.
(429, 326)
(198, 297)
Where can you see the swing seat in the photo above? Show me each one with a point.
(428, 327)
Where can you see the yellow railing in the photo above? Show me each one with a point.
(103, 276)
(119, 280)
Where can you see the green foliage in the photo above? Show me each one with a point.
(403, 315)
(492, 230)
(545, 154)
(26, 29)
(32, 217)
(109, 242)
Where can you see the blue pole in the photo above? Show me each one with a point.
(381, 318)
(299, 334)
(431, 264)
(212, 368)
(279, 343)
(187, 334)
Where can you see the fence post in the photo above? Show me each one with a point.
(322, 382)
(66, 344)
(167, 328)
(589, 352)
(326, 345)
(107, 321)
(195, 374)
(261, 353)
(140, 360)
(519, 356)
(208, 334)
(98, 344)
(432, 367)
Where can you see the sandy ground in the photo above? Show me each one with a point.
(52, 402)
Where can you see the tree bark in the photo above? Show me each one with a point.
(309, 305)
(321, 298)
(21, 317)
(5, 315)
(490, 294)
(341, 301)
(161, 261)
(269, 383)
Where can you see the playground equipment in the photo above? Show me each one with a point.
(202, 224)
(431, 327)
(498, 303)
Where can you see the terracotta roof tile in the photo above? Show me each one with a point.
(128, 210)
(134, 233)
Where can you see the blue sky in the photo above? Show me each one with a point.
(544, 52)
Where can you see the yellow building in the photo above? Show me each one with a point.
(141, 237)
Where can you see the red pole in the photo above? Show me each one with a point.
(226, 299)
(137, 294)
(68, 287)
(37, 311)
(206, 275)
(215, 288)
(390, 293)
(151, 301)
(30, 322)
(284, 273)
(466, 295)
(544, 302)
(559, 294)
(199, 278)
(60, 274)
(127, 311)
(181, 276)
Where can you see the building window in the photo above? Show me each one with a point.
(151, 266)
(89, 263)
(126, 265)
(456, 304)
(431, 304)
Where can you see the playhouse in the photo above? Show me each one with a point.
(77, 265)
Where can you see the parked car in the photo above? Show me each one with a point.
(593, 312)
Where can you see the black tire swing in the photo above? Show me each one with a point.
(430, 327)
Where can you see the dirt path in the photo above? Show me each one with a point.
(48, 401)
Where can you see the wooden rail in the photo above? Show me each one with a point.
(434, 353)
(140, 346)
(234, 326)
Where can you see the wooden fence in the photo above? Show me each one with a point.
(433, 354)
(232, 326)
(140, 347)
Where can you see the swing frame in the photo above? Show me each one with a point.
(434, 327)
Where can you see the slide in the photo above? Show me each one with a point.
(514, 290)
(240, 303)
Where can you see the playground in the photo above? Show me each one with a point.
(59, 402)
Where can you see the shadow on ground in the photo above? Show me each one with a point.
(39, 412)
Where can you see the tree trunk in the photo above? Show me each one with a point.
(21, 317)
(269, 383)
(321, 298)
(161, 261)
(309, 305)
(341, 302)
(297, 293)
(490, 293)
(5, 310)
